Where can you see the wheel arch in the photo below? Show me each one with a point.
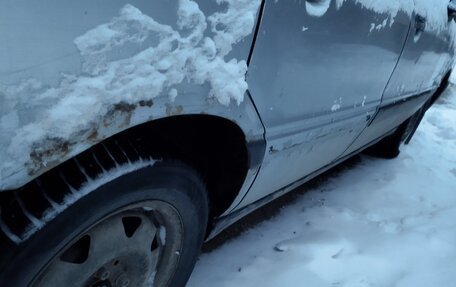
(216, 147)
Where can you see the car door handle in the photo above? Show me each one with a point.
(452, 10)
(420, 24)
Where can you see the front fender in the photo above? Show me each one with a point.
(75, 73)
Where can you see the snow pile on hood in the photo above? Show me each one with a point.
(35, 116)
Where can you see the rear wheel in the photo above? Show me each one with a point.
(389, 147)
(142, 229)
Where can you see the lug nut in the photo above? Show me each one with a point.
(122, 281)
(103, 273)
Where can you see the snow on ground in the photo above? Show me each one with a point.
(380, 223)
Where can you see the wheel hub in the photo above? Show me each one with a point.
(136, 246)
(118, 272)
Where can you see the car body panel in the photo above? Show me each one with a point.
(43, 60)
(326, 79)
(426, 57)
(313, 82)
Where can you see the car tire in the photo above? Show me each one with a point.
(389, 147)
(108, 236)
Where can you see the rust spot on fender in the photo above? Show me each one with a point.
(174, 110)
(51, 151)
(45, 152)
(148, 103)
(93, 136)
(123, 107)
(119, 114)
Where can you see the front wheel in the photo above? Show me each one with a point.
(141, 229)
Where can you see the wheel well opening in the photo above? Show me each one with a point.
(214, 146)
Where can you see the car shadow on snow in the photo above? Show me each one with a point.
(273, 208)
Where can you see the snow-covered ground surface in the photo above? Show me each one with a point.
(377, 223)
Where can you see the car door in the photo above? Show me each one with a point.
(427, 56)
(317, 75)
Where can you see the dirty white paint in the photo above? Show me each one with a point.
(182, 54)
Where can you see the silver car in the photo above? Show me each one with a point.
(132, 131)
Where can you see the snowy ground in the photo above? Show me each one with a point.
(378, 223)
